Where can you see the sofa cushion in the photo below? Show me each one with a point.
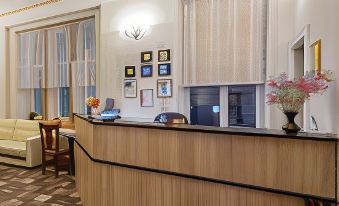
(7, 128)
(25, 129)
(13, 148)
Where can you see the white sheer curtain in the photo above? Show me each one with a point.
(71, 52)
(84, 66)
(30, 70)
(58, 58)
(58, 68)
(224, 41)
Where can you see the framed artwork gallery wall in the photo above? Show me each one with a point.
(149, 80)
(117, 53)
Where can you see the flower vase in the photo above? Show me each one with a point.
(94, 111)
(291, 126)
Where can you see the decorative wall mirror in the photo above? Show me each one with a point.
(316, 56)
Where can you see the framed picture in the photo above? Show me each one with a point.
(146, 98)
(316, 56)
(164, 88)
(129, 71)
(164, 69)
(146, 57)
(164, 55)
(146, 70)
(130, 88)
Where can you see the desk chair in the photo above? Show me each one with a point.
(171, 118)
(50, 147)
(109, 104)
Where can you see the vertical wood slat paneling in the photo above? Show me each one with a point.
(103, 185)
(270, 162)
(292, 165)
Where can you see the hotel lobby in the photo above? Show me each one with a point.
(169, 102)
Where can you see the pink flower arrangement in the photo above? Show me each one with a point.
(291, 95)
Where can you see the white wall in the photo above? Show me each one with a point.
(280, 32)
(292, 16)
(118, 52)
(321, 15)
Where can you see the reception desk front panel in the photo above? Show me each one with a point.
(150, 164)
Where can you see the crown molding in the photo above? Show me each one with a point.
(26, 8)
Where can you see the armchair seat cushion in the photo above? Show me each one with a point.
(13, 148)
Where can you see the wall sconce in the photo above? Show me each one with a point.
(136, 26)
(137, 32)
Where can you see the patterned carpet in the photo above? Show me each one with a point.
(29, 187)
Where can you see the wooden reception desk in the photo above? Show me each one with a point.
(147, 164)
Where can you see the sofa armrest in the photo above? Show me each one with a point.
(33, 151)
(33, 138)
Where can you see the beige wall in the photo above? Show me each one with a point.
(118, 52)
(65, 6)
(286, 20)
(291, 16)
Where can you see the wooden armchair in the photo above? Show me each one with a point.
(51, 151)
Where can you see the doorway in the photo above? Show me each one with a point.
(298, 71)
(298, 65)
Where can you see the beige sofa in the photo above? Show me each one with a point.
(20, 142)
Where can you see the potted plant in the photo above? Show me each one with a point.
(290, 95)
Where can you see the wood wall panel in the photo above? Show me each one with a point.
(84, 131)
(119, 186)
(262, 161)
(287, 164)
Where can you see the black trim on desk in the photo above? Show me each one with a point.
(218, 130)
(211, 180)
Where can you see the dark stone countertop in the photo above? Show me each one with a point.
(215, 130)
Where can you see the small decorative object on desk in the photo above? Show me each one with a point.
(110, 115)
(163, 118)
(94, 103)
(290, 95)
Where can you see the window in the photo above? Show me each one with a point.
(242, 106)
(62, 65)
(64, 102)
(232, 106)
(205, 106)
(55, 63)
(38, 100)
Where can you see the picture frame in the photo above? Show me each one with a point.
(316, 54)
(129, 71)
(164, 55)
(130, 88)
(164, 88)
(164, 69)
(146, 98)
(147, 70)
(146, 57)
